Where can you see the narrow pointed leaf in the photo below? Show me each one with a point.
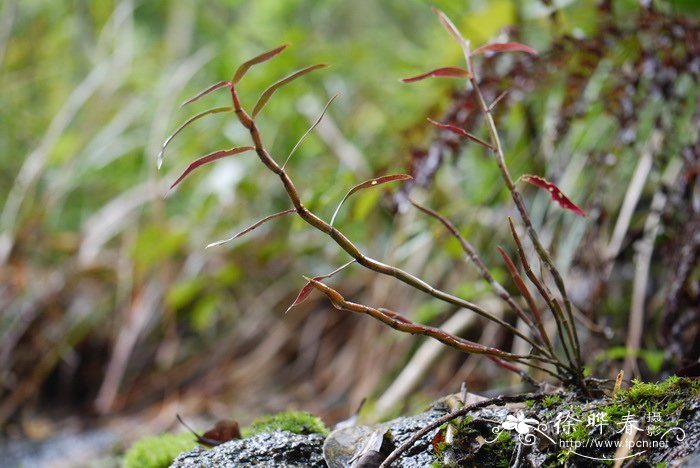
(308, 287)
(505, 47)
(556, 194)
(250, 228)
(454, 32)
(461, 132)
(303, 137)
(522, 287)
(369, 183)
(208, 90)
(450, 27)
(209, 158)
(265, 96)
(446, 72)
(519, 282)
(167, 141)
(260, 58)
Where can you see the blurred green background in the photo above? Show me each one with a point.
(111, 306)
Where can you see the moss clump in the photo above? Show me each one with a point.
(298, 422)
(158, 451)
(551, 400)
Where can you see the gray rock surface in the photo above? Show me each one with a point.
(284, 449)
(274, 449)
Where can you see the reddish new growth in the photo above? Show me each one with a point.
(554, 191)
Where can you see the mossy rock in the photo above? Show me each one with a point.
(297, 422)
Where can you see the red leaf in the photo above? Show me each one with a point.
(209, 158)
(187, 122)
(369, 183)
(308, 287)
(461, 132)
(250, 228)
(505, 47)
(446, 72)
(556, 194)
(203, 93)
(258, 59)
(265, 96)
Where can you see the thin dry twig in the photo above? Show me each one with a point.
(393, 456)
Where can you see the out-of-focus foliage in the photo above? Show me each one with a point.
(109, 300)
(158, 452)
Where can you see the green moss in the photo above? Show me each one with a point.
(298, 422)
(158, 451)
(642, 390)
(551, 400)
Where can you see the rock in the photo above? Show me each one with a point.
(342, 445)
(285, 449)
(273, 449)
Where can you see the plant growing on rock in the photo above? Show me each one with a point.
(560, 357)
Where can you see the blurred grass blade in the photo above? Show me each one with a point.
(303, 137)
(369, 183)
(265, 96)
(308, 287)
(554, 191)
(505, 47)
(250, 228)
(260, 58)
(203, 93)
(446, 72)
(167, 141)
(461, 132)
(209, 158)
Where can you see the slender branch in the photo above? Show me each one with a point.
(524, 215)
(393, 456)
(478, 263)
(345, 243)
(401, 323)
(559, 317)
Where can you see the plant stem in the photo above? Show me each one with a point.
(532, 233)
(347, 245)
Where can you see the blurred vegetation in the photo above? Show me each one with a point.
(110, 303)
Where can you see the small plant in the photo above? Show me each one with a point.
(559, 358)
